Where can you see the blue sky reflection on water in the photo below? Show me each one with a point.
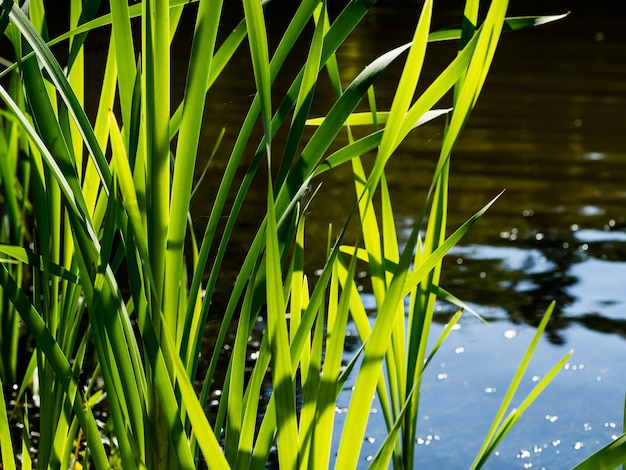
(579, 412)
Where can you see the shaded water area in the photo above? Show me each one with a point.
(548, 129)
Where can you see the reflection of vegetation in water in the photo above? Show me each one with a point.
(524, 271)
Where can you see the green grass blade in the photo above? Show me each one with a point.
(7, 459)
(234, 387)
(156, 102)
(287, 432)
(609, 457)
(369, 373)
(335, 339)
(467, 93)
(249, 457)
(423, 305)
(122, 39)
(328, 130)
(202, 429)
(517, 413)
(187, 146)
(32, 259)
(508, 397)
(427, 264)
(311, 385)
(257, 36)
(383, 456)
(64, 89)
(122, 171)
(396, 367)
(408, 82)
(305, 96)
(381, 117)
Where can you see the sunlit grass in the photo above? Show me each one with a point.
(119, 274)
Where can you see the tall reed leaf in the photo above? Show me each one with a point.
(6, 447)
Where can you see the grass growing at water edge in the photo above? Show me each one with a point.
(117, 272)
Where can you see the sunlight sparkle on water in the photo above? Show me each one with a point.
(510, 334)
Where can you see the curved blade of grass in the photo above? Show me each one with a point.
(419, 272)
(34, 260)
(333, 123)
(335, 339)
(510, 24)
(364, 119)
(58, 77)
(284, 391)
(202, 176)
(257, 37)
(6, 447)
(408, 82)
(88, 11)
(517, 413)
(125, 59)
(202, 51)
(609, 457)
(305, 95)
(508, 397)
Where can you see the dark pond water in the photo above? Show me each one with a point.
(549, 128)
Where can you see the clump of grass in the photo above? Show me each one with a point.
(119, 273)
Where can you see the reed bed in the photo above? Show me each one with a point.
(110, 278)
